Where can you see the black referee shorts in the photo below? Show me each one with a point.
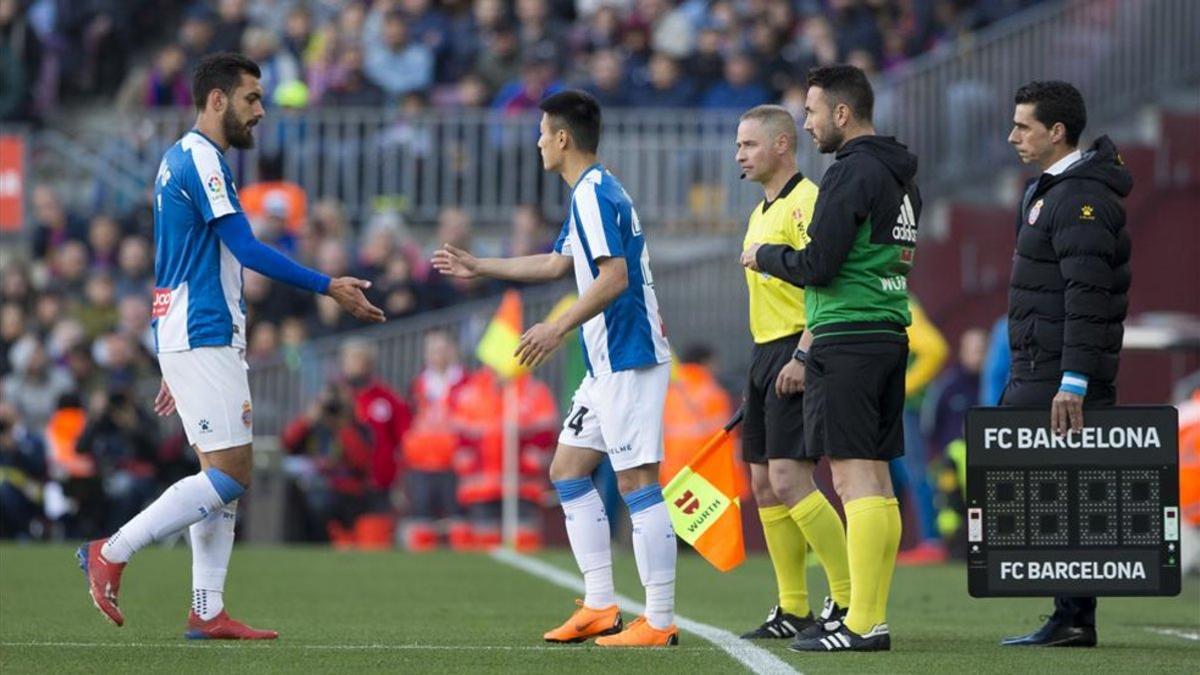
(773, 427)
(854, 399)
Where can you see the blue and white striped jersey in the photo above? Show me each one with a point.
(198, 281)
(602, 223)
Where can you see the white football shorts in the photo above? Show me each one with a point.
(620, 414)
(212, 396)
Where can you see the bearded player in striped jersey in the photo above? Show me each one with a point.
(618, 407)
(202, 242)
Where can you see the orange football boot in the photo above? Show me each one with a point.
(585, 623)
(641, 634)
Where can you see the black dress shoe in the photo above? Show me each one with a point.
(1055, 633)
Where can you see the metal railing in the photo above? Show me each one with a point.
(954, 106)
(701, 293)
(951, 106)
(677, 165)
(96, 180)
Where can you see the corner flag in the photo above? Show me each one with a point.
(502, 336)
(703, 502)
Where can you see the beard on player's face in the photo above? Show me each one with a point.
(829, 138)
(237, 132)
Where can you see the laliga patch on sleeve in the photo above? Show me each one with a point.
(215, 185)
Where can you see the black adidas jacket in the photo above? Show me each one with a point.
(861, 240)
(1070, 278)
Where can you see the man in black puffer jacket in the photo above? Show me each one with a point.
(1069, 290)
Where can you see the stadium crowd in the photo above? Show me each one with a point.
(79, 449)
(465, 53)
(80, 445)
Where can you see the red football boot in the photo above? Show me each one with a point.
(104, 580)
(221, 627)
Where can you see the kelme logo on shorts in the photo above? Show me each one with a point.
(205, 427)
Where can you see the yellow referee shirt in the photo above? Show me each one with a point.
(777, 307)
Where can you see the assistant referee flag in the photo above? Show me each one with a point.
(703, 502)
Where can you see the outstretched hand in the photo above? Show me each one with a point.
(348, 293)
(455, 262)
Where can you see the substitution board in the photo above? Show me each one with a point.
(1087, 513)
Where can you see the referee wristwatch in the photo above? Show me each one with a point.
(800, 355)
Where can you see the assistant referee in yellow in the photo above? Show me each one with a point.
(794, 514)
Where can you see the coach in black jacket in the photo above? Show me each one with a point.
(1069, 290)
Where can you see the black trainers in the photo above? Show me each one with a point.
(831, 618)
(845, 640)
(779, 624)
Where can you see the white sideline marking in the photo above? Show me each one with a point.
(1177, 632)
(275, 644)
(753, 657)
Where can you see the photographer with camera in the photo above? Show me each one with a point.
(329, 465)
(121, 437)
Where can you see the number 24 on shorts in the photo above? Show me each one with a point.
(575, 419)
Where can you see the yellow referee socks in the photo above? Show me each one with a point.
(822, 527)
(868, 535)
(889, 558)
(786, 545)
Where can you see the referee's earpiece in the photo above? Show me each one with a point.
(743, 176)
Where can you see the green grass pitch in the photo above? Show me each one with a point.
(434, 613)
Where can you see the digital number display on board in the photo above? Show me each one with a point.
(1088, 513)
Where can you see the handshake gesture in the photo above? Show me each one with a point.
(348, 293)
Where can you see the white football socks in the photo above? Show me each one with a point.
(587, 530)
(212, 544)
(654, 549)
(187, 501)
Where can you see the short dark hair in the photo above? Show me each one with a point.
(579, 112)
(846, 84)
(1056, 101)
(223, 71)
